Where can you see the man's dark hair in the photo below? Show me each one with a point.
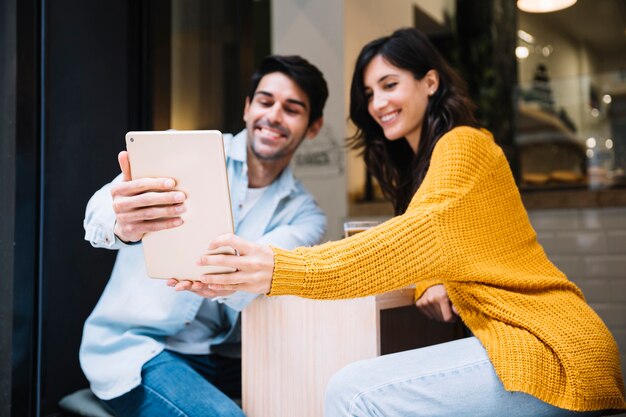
(302, 72)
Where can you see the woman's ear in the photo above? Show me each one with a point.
(431, 78)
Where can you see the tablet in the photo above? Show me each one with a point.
(195, 160)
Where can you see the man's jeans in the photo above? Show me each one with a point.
(177, 385)
(454, 379)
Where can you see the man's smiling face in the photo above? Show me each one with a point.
(277, 118)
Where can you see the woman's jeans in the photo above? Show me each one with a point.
(177, 385)
(454, 379)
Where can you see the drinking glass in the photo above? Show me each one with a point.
(354, 227)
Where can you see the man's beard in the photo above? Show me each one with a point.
(280, 154)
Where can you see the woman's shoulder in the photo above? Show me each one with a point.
(468, 149)
(468, 139)
(473, 135)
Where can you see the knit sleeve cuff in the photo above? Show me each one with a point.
(422, 286)
(289, 272)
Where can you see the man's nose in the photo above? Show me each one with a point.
(275, 114)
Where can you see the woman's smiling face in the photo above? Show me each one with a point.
(397, 100)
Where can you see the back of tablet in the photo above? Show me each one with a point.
(196, 161)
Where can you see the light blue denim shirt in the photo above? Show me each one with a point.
(135, 314)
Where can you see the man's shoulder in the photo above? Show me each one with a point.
(301, 195)
(300, 189)
(293, 186)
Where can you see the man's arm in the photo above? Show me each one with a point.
(124, 210)
(99, 219)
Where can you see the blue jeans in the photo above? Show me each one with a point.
(177, 385)
(454, 379)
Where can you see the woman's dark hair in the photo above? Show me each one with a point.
(398, 170)
(302, 72)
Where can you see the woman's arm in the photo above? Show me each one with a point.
(395, 254)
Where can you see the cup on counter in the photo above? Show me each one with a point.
(354, 227)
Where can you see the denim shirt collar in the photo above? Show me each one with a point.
(237, 149)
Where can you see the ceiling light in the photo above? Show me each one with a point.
(547, 50)
(522, 52)
(543, 6)
(591, 142)
(525, 36)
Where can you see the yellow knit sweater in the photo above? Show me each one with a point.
(466, 227)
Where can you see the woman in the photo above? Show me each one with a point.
(538, 350)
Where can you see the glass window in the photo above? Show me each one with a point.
(201, 57)
(571, 100)
(550, 86)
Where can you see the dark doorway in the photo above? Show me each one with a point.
(76, 76)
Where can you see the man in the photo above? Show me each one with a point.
(150, 351)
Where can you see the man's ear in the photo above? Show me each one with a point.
(315, 127)
(246, 108)
(432, 80)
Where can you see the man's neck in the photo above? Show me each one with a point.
(263, 173)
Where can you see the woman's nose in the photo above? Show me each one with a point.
(379, 101)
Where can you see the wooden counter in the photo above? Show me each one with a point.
(292, 346)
